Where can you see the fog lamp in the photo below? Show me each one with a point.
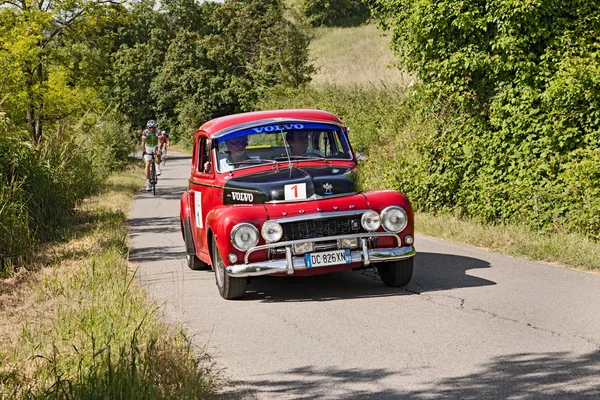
(271, 231)
(348, 243)
(232, 257)
(370, 220)
(408, 239)
(301, 248)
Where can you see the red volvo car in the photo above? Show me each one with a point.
(273, 193)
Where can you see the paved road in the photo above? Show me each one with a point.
(471, 325)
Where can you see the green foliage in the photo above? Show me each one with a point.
(514, 94)
(196, 61)
(334, 12)
(40, 185)
(243, 49)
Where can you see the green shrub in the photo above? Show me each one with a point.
(514, 91)
(445, 163)
(335, 12)
(40, 185)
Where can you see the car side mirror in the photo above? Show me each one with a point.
(360, 155)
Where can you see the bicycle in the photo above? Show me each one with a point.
(153, 176)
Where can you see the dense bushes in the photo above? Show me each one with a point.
(334, 12)
(514, 95)
(40, 185)
(421, 151)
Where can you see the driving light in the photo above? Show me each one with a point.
(394, 219)
(271, 231)
(304, 247)
(347, 243)
(244, 236)
(371, 221)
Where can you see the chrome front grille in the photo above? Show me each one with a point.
(315, 228)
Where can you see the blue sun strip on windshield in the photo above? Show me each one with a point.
(275, 128)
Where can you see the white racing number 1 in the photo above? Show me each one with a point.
(297, 191)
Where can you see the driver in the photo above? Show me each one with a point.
(236, 149)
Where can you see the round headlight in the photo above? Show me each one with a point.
(244, 236)
(394, 219)
(271, 231)
(371, 221)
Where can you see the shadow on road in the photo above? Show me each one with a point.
(552, 376)
(433, 272)
(154, 225)
(164, 253)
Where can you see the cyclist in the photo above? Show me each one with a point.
(151, 145)
(165, 142)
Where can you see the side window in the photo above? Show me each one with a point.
(204, 164)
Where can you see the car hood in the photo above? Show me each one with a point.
(298, 182)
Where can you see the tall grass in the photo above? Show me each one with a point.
(41, 185)
(83, 329)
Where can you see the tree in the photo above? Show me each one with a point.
(334, 12)
(30, 50)
(243, 48)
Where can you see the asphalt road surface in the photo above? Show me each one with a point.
(471, 325)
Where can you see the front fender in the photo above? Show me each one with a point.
(221, 220)
(380, 199)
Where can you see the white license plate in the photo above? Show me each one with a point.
(328, 258)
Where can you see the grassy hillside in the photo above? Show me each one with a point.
(356, 55)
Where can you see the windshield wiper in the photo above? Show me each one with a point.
(292, 157)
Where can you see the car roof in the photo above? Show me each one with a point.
(229, 123)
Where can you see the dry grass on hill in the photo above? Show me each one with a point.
(355, 56)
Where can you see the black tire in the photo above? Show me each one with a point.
(154, 178)
(193, 262)
(196, 264)
(396, 273)
(229, 288)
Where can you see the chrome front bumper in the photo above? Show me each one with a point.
(293, 263)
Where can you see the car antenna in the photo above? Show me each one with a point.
(287, 153)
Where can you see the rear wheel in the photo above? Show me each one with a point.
(229, 288)
(396, 273)
(196, 264)
(193, 262)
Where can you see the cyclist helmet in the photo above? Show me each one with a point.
(151, 124)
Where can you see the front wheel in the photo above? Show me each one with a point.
(229, 288)
(396, 273)
(153, 178)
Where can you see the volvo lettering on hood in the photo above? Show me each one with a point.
(245, 197)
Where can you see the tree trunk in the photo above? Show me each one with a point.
(39, 119)
(30, 105)
(34, 104)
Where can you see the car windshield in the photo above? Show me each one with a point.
(281, 143)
